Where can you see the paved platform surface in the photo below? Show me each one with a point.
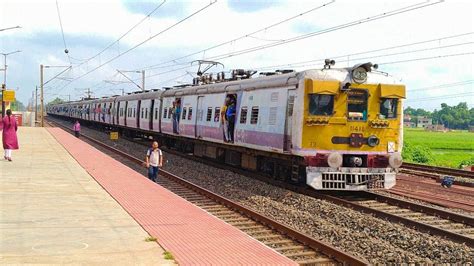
(193, 236)
(53, 212)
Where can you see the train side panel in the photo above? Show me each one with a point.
(187, 120)
(166, 116)
(262, 119)
(208, 121)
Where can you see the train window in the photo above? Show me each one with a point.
(165, 112)
(243, 115)
(357, 105)
(388, 108)
(321, 104)
(190, 113)
(156, 113)
(184, 113)
(217, 114)
(146, 113)
(170, 110)
(143, 113)
(254, 115)
(209, 114)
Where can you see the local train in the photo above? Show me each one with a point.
(330, 128)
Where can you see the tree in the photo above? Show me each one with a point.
(17, 106)
(455, 117)
(55, 101)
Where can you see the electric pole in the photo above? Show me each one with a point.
(36, 105)
(4, 86)
(42, 99)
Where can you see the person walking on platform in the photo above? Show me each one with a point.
(77, 129)
(154, 160)
(10, 139)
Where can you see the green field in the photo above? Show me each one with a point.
(441, 148)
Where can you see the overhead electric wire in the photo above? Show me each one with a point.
(143, 42)
(242, 37)
(304, 36)
(322, 59)
(62, 33)
(123, 35)
(426, 58)
(447, 96)
(446, 85)
(300, 64)
(366, 52)
(331, 29)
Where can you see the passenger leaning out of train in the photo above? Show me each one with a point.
(230, 115)
(176, 113)
(224, 122)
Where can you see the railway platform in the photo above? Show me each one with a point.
(63, 201)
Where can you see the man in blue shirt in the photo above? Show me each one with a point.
(230, 116)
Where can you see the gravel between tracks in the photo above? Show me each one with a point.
(374, 239)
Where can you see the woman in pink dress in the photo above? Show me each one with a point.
(10, 140)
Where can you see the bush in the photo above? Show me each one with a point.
(465, 163)
(417, 153)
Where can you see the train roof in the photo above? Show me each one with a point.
(272, 81)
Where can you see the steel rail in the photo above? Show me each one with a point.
(422, 227)
(437, 169)
(325, 248)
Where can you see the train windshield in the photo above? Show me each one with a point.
(357, 105)
(388, 108)
(321, 104)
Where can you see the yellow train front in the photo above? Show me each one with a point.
(351, 127)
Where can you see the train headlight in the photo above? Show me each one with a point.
(359, 75)
(335, 160)
(395, 160)
(373, 141)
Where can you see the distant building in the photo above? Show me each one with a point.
(471, 129)
(440, 128)
(408, 121)
(424, 121)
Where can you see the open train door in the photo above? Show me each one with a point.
(199, 115)
(289, 119)
(152, 107)
(139, 113)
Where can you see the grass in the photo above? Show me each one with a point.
(150, 239)
(448, 148)
(168, 256)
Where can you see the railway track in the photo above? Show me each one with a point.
(453, 226)
(297, 246)
(435, 170)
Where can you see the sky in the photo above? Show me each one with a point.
(427, 45)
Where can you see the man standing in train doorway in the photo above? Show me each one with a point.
(154, 160)
(230, 115)
(224, 122)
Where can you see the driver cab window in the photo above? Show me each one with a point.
(357, 105)
(388, 108)
(321, 104)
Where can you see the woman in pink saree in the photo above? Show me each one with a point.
(10, 140)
